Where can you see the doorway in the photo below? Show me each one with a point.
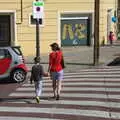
(7, 29)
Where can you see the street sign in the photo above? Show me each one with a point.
(38, 9)
(114, 19)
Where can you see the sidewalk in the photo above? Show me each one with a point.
(81, 57)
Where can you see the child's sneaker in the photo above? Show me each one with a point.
(37, 99)
(58, 97)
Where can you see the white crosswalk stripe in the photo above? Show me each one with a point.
(25, 118)
(87, 94)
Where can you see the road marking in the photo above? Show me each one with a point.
(90, 95)
(94, 113)
(31, 89)
(25, 118)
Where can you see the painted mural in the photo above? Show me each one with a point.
(74, 32)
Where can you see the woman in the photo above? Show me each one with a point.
(55, 69)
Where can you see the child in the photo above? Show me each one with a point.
(111, 37)
(36, 74)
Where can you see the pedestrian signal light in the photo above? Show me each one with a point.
(38, 9)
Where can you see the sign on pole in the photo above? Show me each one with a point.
(38, 13)
(38, 9)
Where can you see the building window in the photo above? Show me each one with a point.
(75, 29)
(5, 36)
(33, 21)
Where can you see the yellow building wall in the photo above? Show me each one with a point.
(49, 32)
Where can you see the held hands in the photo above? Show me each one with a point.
(46, 74)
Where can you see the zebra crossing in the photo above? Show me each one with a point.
(89, 94)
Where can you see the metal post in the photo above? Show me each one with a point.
(96, 32)
(37, 39)
(118, 2)
(118, 17)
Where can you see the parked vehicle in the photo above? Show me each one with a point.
(12, 64)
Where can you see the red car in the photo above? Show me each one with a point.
(12, 64)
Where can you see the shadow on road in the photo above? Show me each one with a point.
(115, 62)
(6, 81)
(28, 100)
(17, 99)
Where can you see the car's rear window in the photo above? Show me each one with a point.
(17, 50)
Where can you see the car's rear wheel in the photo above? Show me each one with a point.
(18, 75)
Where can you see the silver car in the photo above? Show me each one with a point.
(12, 64)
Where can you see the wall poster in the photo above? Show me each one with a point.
(74, 32)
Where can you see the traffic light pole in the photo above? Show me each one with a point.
(96, 32)
(37, 38)
(118, 17)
